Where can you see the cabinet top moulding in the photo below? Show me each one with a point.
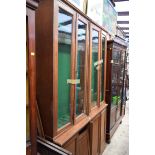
(83, 14)
(121, 42)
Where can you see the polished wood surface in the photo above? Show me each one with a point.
(83, 146)
(71, 145)
(30, 14)
(44, 65)
(114, 113)
(61, 139)
(94, 139)
(103, 131)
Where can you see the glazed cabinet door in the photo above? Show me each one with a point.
(94, 136)
(64, 67)
(94, 58)
(80, 99)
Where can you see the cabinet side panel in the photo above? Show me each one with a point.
(44, 64)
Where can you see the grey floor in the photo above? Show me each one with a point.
(120, 141)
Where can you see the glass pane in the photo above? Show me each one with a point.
(114, 86)
(64, 66)
(27, 89)
(80, 68)
(115, 77)
(116, 56)
(102, 69)
(122, 57)
(94, 68)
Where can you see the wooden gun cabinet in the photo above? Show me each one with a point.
(116, 53)
(70, 69)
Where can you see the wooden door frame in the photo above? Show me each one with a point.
(92, 26)
(104, 63)
(57, 5)
(85, 21)
(32, 78)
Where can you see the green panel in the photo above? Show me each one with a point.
(64, 66)
(80, 68)
(102, 69)
(94, 70)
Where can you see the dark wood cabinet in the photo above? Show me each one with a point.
(116, 54)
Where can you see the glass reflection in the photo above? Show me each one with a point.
(115, 77)
(80, 68)
(64, 65)
(94, 68)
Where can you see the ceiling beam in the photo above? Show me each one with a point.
(124, 28)
(120, 0)
(122, 22)
(123, 13)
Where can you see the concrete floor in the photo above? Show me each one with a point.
(120, 141)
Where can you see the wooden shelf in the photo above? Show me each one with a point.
(64, 137)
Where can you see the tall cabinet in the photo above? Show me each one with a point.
(70, 73)
(115, 82)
